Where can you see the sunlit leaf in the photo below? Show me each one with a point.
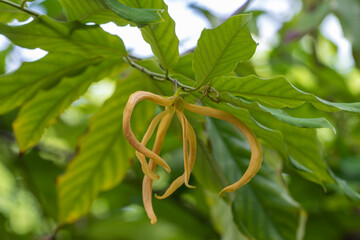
(9, 13)
(277, 92)
(184, 66)
(74, 38)
(219, 50)
(103, 157)
(139, 16)
(21, 85)
(39, 112)
(3, 55)
(91, 11)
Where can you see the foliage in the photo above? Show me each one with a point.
(67, 169)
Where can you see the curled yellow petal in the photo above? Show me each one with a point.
(147, 195)
(178, 182)
(149, 132)
(129, 135)
(192, 147)
(256, 151)
(184, 126)
(147, 182)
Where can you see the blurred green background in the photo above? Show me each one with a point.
(315, 44)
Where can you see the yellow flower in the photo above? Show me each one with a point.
(177, 104)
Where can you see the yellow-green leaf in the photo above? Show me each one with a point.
(220, 49)
(38, 113)
(103, 156)
(21, 85)
(74, 38)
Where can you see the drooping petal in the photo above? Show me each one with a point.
(129, 135)
(178, 182)
(192, 147)
(147, 195)
(184, 125)
(256, 151)
(147, 182)
(144, 165)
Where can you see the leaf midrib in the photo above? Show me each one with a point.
(223, 52)
(244, 94)
(38, 124)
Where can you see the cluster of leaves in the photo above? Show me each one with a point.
(34, 98)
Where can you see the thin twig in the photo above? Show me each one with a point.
(157, 76)
(27, 10)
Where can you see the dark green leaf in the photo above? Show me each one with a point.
(262, 209)
(346, 189)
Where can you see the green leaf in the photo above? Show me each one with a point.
(277, 113)
(3, 54)
(22, 85)
(288, 140)
(222, 217)
(262, 209)
(135, 15)
(348, 13)
(271, 137)
(39, 112)
(220, 49)
(303, 148)
(161, 36)
(9, 13)
(276, 92)
(91, 11)
(104, 154)
(74, 38)
(206, 170)
(346, 189)
(184, 66)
